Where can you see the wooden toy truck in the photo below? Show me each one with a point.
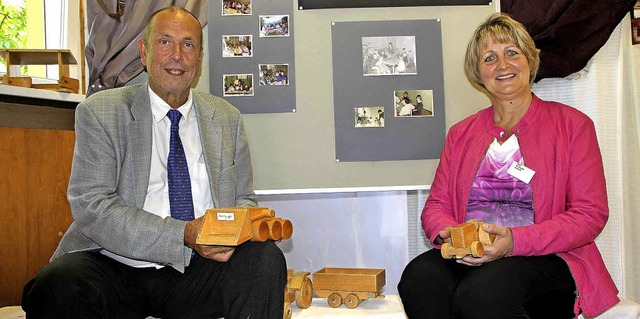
(236, 225)
(298, 288)
(466, 239)
(348, 285)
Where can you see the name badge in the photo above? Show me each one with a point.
(521, 172)
(226, 216)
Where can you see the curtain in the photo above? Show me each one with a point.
(112, 49)
(567, 32)
(418, 241)
(629, 141)
(608, 91)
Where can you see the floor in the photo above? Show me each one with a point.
(388, 307)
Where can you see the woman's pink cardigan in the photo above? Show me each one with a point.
(570, 205)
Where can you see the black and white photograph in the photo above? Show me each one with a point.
(237, 85)
(274, 26)
(372, 116)
(393, 55)
(413, 103)
(236, 7)
(237, 46)
(273, 74)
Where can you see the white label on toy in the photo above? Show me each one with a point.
(521, 172)
(226, 216)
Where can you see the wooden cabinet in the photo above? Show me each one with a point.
(34, 211)
(14, 58)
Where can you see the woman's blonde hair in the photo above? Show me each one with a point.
(500, 27)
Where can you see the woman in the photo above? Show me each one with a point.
(533, 171)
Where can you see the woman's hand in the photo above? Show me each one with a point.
(444, 236)
(502, 246)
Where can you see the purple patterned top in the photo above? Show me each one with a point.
(496, 196)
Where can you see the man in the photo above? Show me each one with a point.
(126, 255)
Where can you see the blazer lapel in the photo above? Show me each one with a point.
(210, 137)
(140, 138)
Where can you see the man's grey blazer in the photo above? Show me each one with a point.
(111, 167)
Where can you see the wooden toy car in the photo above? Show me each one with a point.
(298, 288)
(466, 239)
(236, 225)
(348, 285)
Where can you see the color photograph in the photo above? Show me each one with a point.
(413, 103)
(274, 74)
(238, 85)
(237, 46)
(274, 26)
(236, 7)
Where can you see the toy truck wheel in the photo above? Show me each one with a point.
(288, 296)
(304, 296)
(351, 301)
(477, 249)
(288, 311)
(445, 251)
(334, 300)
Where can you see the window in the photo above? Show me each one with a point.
(43, 24)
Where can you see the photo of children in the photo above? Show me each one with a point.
(388, 55)
(237, 85)
(236, 7)
(372, 116)
(237, 46)
(413, 103)
(274, 74)
(274, 26)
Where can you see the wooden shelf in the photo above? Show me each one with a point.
(14, 58)
(40, 56)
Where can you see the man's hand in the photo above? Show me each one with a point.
(218, 253)
(502, 246)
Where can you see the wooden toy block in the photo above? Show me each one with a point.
(348, 285)
(225, 227)
(287, 228)
(467, 239)
(22, 81)
(69, 83)
(236, 225)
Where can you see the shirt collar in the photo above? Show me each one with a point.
(160, 108)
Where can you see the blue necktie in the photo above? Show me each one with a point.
(180, 199)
